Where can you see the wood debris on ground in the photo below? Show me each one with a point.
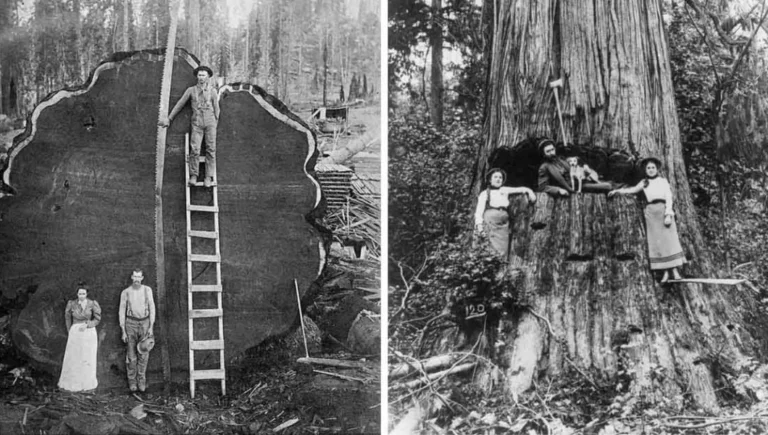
(279, 399)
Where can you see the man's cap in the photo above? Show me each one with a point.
(202, 68)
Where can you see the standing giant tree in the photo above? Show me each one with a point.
(588, 300)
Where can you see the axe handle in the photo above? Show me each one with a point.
(560, 117)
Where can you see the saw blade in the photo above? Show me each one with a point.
(165, 95)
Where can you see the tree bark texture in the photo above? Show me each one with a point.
(587, 269)
(83, 208)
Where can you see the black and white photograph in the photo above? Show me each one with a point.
(190, 216)
(577, 217)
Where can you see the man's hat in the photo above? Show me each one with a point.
(146, 344)
(202, 68)
(650, 159)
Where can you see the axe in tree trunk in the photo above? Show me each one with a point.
(555, 85)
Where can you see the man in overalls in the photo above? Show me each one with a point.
(205, 116)
(137, 319)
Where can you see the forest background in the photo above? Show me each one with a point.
(286, 47)
(438, 68)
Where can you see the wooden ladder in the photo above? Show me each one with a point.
(218, 312)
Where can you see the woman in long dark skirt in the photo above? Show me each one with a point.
(664, 250)
(492, 215)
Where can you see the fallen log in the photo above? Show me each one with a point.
(428, 365)
(82, 207)
(359, 144)
(340, 376)
(334, 363)
(453, 370)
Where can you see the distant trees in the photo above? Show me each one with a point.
(277, 44)
(421, 34)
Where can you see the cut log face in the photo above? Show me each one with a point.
(83, 208)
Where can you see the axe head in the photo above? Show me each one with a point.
(556, 84)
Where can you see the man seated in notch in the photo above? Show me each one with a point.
(554, 173)
(205, 118)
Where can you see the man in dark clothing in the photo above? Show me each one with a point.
(555, 172)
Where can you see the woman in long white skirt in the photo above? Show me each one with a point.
(82, 315)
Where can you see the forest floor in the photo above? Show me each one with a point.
(261, 399)
(578, 402)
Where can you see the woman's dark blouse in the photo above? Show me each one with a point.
(74, 313)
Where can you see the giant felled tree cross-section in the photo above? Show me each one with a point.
(82, 177)
(586, 273)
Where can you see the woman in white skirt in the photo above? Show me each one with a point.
(82, 315)
(664, 250)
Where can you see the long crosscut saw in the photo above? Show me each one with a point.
(165, 96)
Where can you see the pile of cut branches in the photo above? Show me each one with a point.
(359, 219)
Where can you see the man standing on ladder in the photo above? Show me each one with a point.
(205, 117)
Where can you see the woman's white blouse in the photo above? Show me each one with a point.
(499, 198)
(658, 188)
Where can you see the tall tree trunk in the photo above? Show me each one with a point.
(246, 50)
(125, 42)
(266, 30)
(436, 73)
(193, 26)
(79, 66)
(5, 63)
(585, 262)
(5, 85)
(274, 50)
(325, 69)
(299, 70)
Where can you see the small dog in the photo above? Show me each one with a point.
(580, 172)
